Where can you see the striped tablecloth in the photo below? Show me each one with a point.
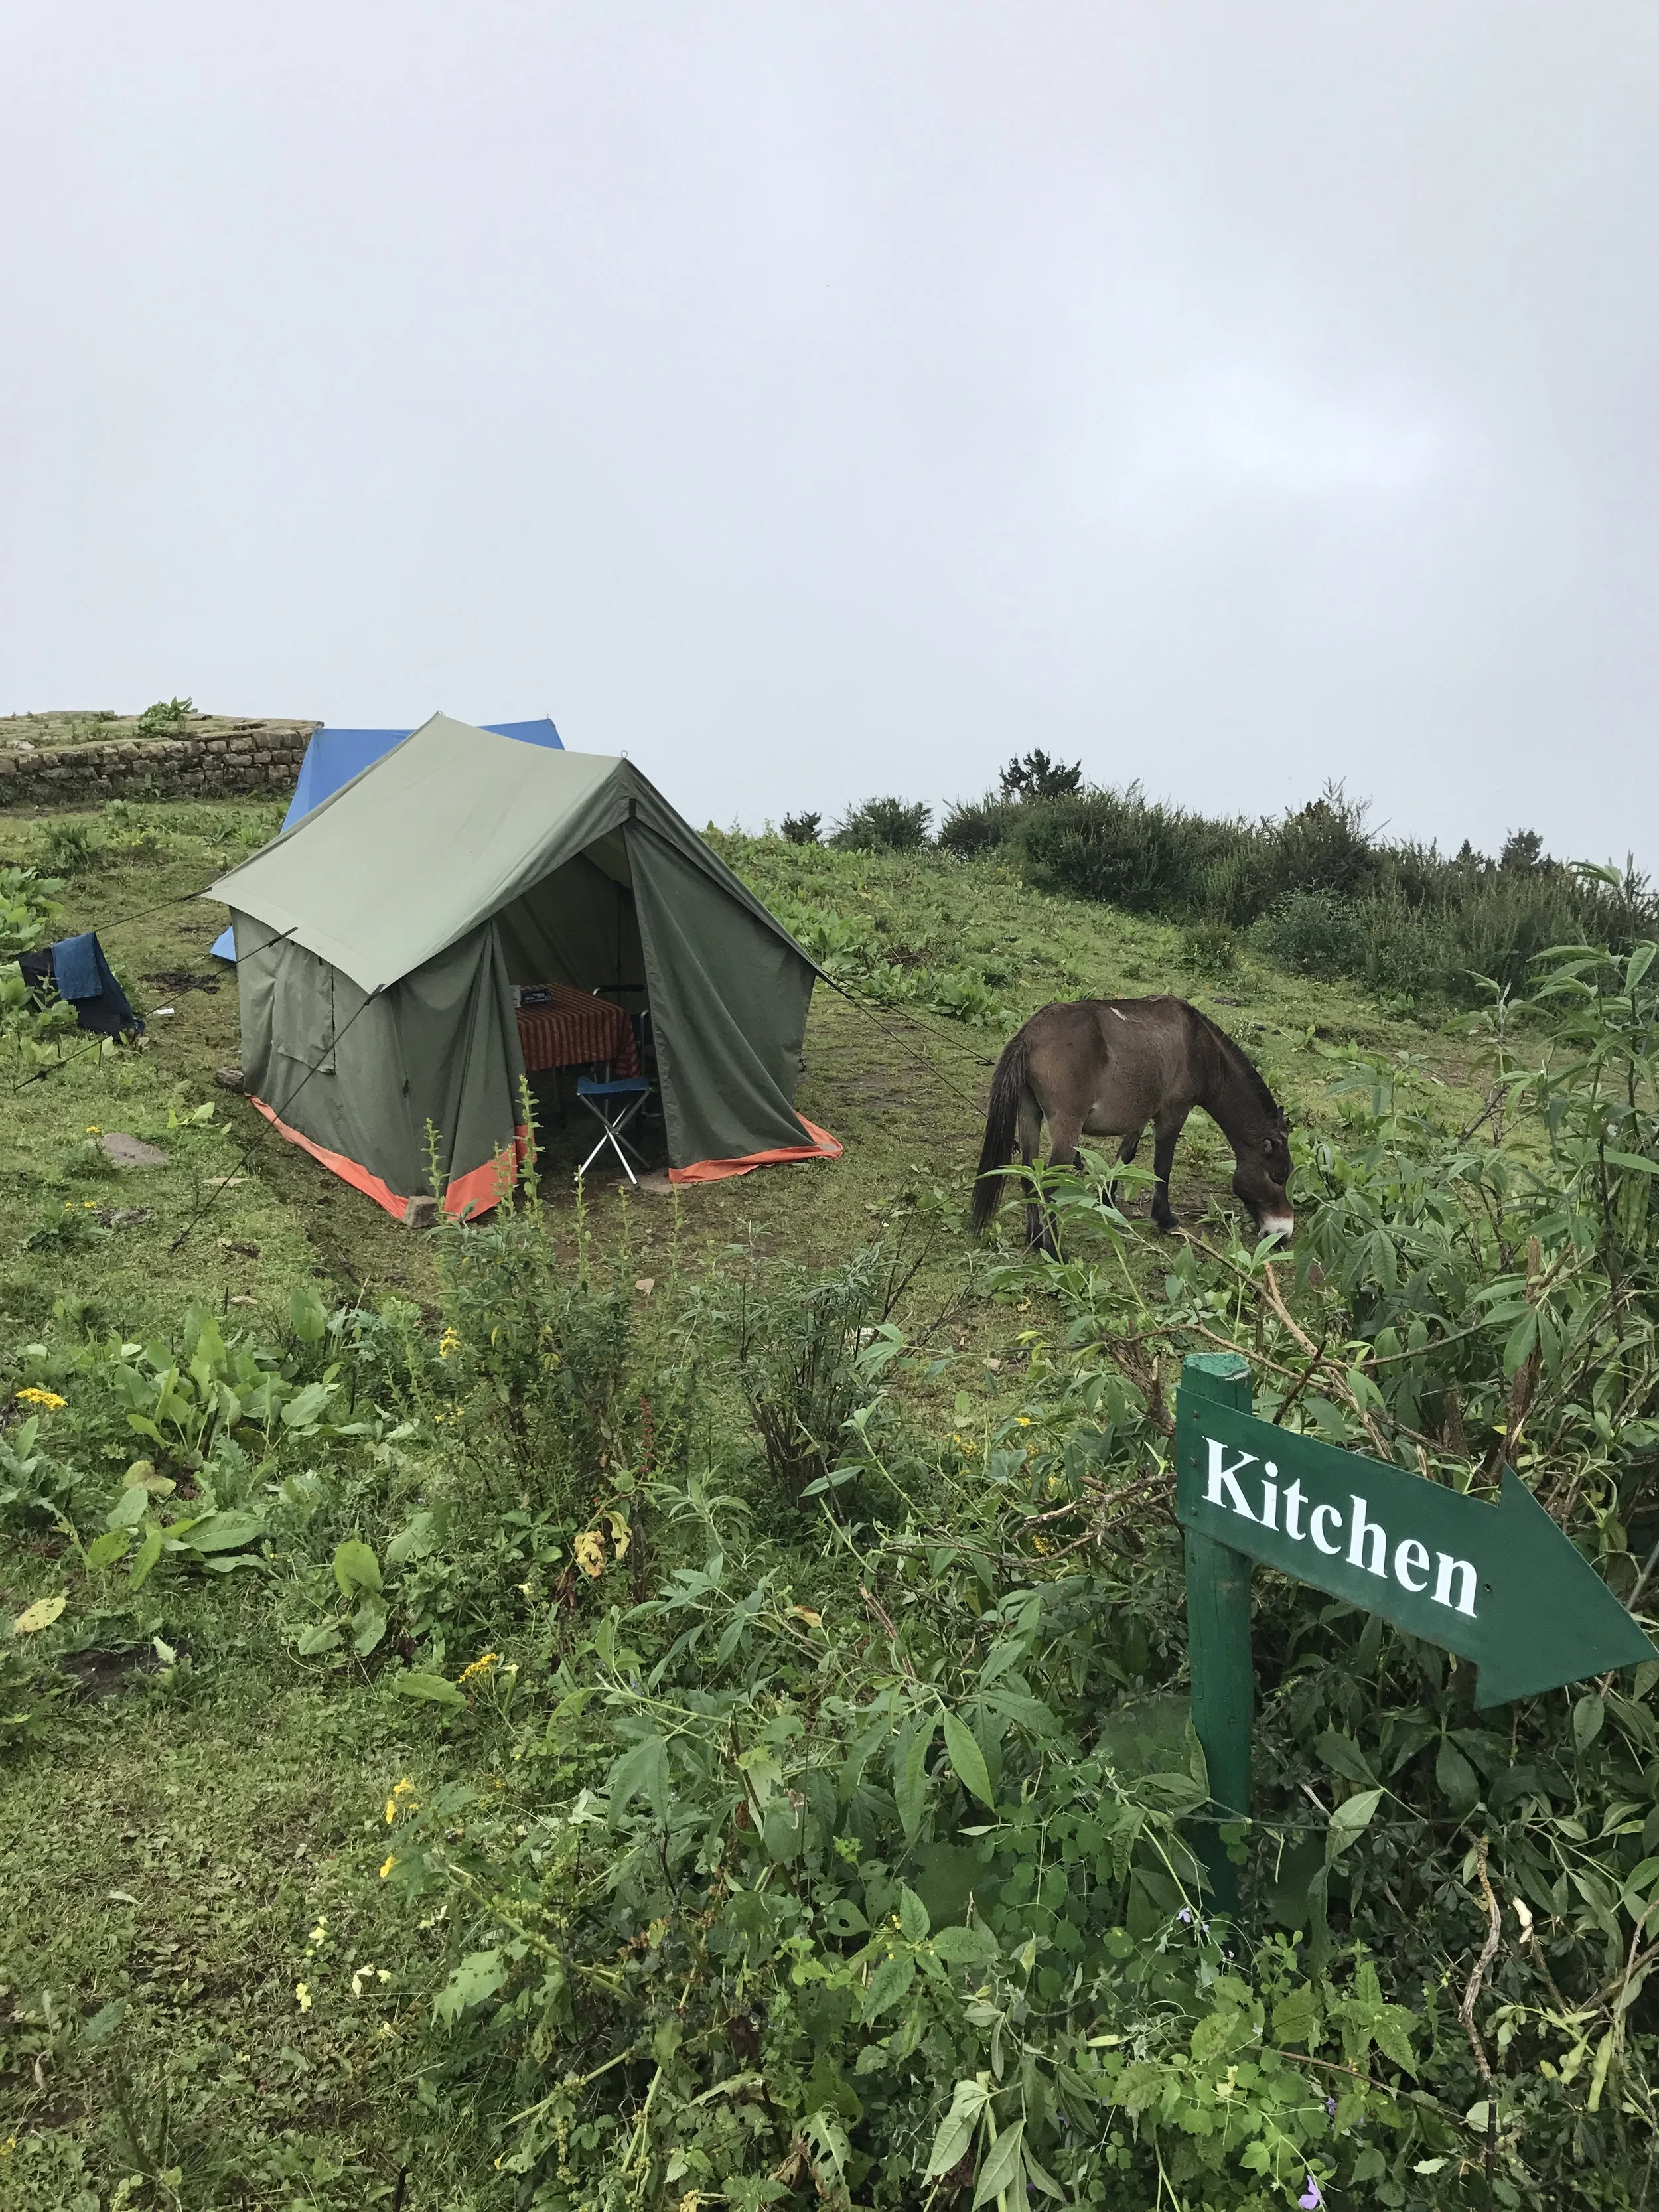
(575, 1028)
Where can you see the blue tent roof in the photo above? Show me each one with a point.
(334, 757)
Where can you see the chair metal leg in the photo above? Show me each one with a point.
(611, 1135)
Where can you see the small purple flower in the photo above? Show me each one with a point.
(1184, 1916)
(1330, 2104)
(1310, 2200)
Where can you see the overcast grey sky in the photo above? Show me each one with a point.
(814, 400)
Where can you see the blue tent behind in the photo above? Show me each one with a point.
(334, 757)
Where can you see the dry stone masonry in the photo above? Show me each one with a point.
(206, 756)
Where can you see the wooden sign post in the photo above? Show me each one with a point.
(1499, 1584)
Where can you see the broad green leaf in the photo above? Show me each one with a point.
(1297, 2016)
(1599, 2071)
(321, 1636)
(1456, 1777)
(1522, 1340)
(965, 1947)
(369, 1623)
(105, 2021)
(643, 1771)
(305, 1312)
(104, 1550)
(912, 1915)
(825, 2135)
(1039, 2177)
(302, 1409)
(149, 1551)
(129, 1508)
(41, 1614)
(479, 1975)
(224, 1532)
(1001, 2165)
(910, 1749)
(1349, 1820)
(1588, 1716)
(891, 1981)
(411, 1542)
(1344, 1757)
(1391, 2030)
(956, 2130)
(355, 1567)
(436, 1689)
(966, 1757)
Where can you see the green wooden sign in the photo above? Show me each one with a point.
(1498, 1583)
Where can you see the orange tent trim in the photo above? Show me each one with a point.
(825, 1147)
(477, 1190)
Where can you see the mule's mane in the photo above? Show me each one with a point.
(1238, 1060)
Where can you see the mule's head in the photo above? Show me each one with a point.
(1261, 1178)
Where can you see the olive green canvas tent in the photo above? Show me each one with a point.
(378, 942)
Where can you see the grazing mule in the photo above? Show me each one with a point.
(1105, 1067)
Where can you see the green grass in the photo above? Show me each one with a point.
(172, 1844)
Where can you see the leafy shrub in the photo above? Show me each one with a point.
(975, 826)
(28, 907)
(883, 824)
(801, 829)
(1315, 933)
(1034, 775)
(1210, 946)
(1120, 847)
(533, 1360)
(796, 1349)
(1315, 883)
(71, 846)
(1323, 846)
(166, 714)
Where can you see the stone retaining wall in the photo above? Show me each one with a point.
(244, 756)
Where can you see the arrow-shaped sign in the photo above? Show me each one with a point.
(1498, 1584)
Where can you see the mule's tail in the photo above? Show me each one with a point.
(1001, 1126)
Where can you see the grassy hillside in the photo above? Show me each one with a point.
(680, 1700)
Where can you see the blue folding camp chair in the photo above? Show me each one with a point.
(616, 1104)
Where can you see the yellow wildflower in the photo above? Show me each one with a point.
(8, 2147)
(448, 1342)
(1024, 1419)
(402, 1799)
(48, 1400)
(302, 1996)
(478, 1666)
(387, 1863)
(589, 1549)
(93, 1129)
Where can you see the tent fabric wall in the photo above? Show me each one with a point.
(728, 1065)
(568, 867)
(355, 1076)
(334, 758)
